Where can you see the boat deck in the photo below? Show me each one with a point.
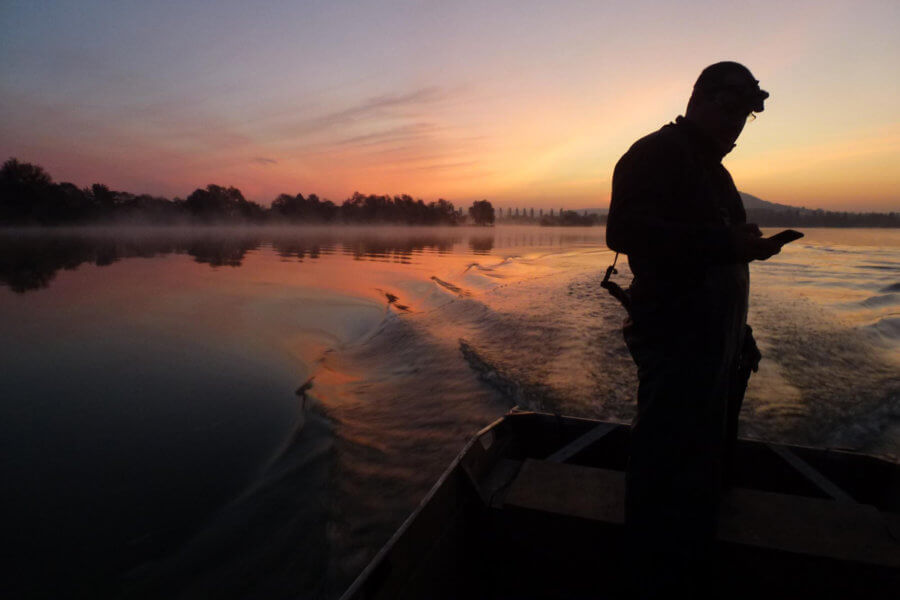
(533, 508)
(857, 532)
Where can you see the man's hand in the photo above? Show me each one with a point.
(750, 229)
(749, 244)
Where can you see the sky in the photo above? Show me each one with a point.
(527, 104)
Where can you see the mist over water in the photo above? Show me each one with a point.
(154, 372)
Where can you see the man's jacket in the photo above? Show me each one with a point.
(673, 206)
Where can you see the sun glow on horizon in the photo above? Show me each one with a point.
(521, 106)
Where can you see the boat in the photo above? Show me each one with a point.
(533, 508)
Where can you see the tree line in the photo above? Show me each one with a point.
(564, 218)
(29, 196)
(766, 217)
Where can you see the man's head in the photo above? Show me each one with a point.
(725, 94)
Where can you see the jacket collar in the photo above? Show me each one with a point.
(705, 145)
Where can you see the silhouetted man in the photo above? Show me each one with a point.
(677, 215)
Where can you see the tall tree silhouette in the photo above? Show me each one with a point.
(482, 212)
(24, 188)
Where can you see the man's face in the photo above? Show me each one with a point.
(729, 106)
(731, 112)
(725, 96)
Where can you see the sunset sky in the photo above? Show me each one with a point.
(523, 103)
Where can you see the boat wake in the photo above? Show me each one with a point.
(452, 351)
(822, 382)
(517, 393)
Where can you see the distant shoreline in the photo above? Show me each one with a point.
(30, 197)
(100, 226)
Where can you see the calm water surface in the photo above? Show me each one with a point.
(154, 443)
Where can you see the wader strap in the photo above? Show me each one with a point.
(614, 289)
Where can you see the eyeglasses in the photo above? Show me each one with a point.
(739, 100)
(734, 105)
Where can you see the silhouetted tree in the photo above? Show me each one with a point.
(444, 211)
(482, 212)
(24, 190)
(399, 209)
(298, 208)
(104, 199)
(219, 203)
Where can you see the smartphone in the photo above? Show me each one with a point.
(786, 236)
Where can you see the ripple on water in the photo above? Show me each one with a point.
(841, 375)
(881, 300)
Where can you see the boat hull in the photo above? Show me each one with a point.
(533, 508)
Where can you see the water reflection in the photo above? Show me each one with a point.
(481, 244)
(30, 260)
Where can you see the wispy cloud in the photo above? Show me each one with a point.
(405, 133)
(466, 164)
(377, 105)
(399, 132)
(261, 160)
(371, 110)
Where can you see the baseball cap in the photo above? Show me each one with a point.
(735, 77)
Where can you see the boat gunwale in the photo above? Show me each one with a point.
(388, 546)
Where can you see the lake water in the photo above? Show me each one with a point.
(155, 445)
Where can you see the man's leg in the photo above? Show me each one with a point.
(674, 470)
(737, 389)
(745, 362)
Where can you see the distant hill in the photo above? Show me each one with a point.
(751, 202)
(770, 214)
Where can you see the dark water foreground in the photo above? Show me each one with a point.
(154, 444)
